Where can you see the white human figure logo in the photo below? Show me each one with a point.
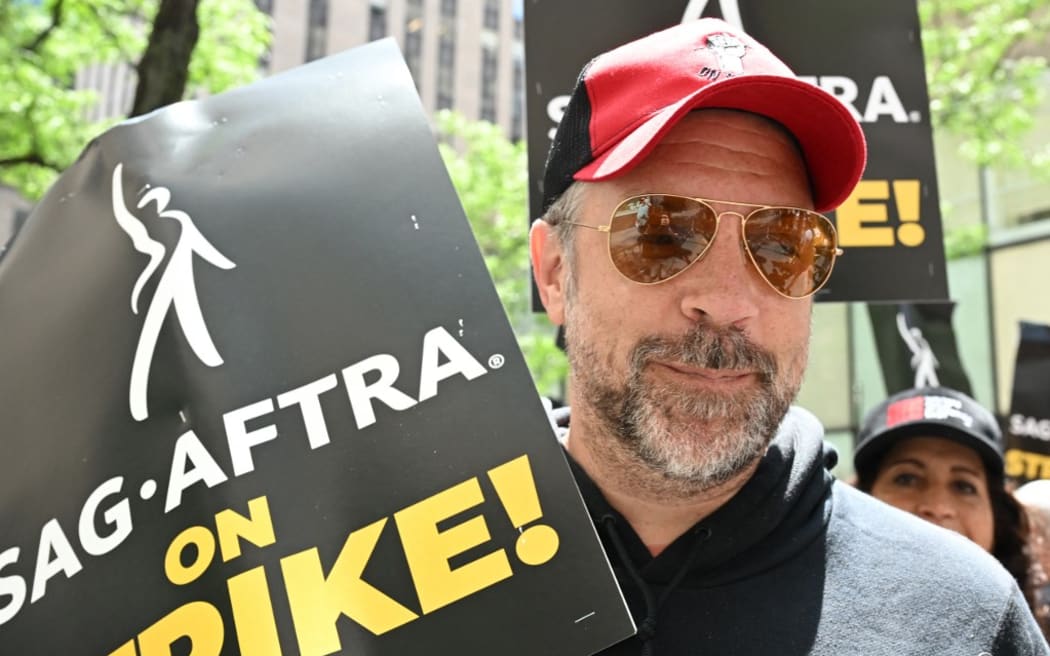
(730, 11)
(175, 287)
(923, 360)
(729, 51)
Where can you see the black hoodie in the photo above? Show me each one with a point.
(798, 563)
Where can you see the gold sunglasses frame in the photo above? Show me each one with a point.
(607, 229)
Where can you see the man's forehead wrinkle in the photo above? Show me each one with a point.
(760, 146)
(761, 160)
(744, 168)
(739, 121)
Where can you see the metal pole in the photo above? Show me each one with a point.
(989, 211)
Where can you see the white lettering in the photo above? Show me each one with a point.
(361, 393)
(943, 407)
(241, 440)
(53, 540)
(1030, 427)
(730, 11)
(436, 343)
(105, 520)
(118, 516)
(307, 398)
(190, 451)
(12, 586)
(555, 112)
(884, 101)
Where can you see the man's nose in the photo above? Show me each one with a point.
(721, 287)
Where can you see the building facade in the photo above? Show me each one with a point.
(465, 55)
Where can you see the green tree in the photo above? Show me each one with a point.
(987, 74)
(43, 118)
(490, 175)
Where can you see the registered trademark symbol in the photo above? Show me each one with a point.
(496, 361)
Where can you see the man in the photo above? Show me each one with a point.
(686, 324)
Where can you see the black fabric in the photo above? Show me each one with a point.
(647, 627)
(571, 148)
(798, 563)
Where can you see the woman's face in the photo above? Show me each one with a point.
(941, 481)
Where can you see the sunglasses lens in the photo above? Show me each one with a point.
(793, 249)
(655, 237)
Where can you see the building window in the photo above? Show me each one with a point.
(376, 22)
(517, 108)
(489, 68)
(491, 15)
(316, 29)
(414, 38)
(446, 73)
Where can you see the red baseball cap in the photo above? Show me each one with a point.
(627, 99)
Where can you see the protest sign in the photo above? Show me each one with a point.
(917, 346)
(259, 396)
(869, 55)
(1027, 431)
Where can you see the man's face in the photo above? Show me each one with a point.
(691, 376)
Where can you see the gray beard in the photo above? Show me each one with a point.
(692, 442)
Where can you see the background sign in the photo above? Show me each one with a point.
(1027, 430)
(867, 54)
(917, 346)
(259, 396)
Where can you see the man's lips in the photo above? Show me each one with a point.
(712, 376)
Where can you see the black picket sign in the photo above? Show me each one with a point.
(259, 396)
(1027, 431)
(867, 54)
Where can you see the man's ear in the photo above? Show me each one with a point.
(549, 269)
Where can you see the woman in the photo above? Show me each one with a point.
(937, 454)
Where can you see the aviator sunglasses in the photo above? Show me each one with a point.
(655, 237)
